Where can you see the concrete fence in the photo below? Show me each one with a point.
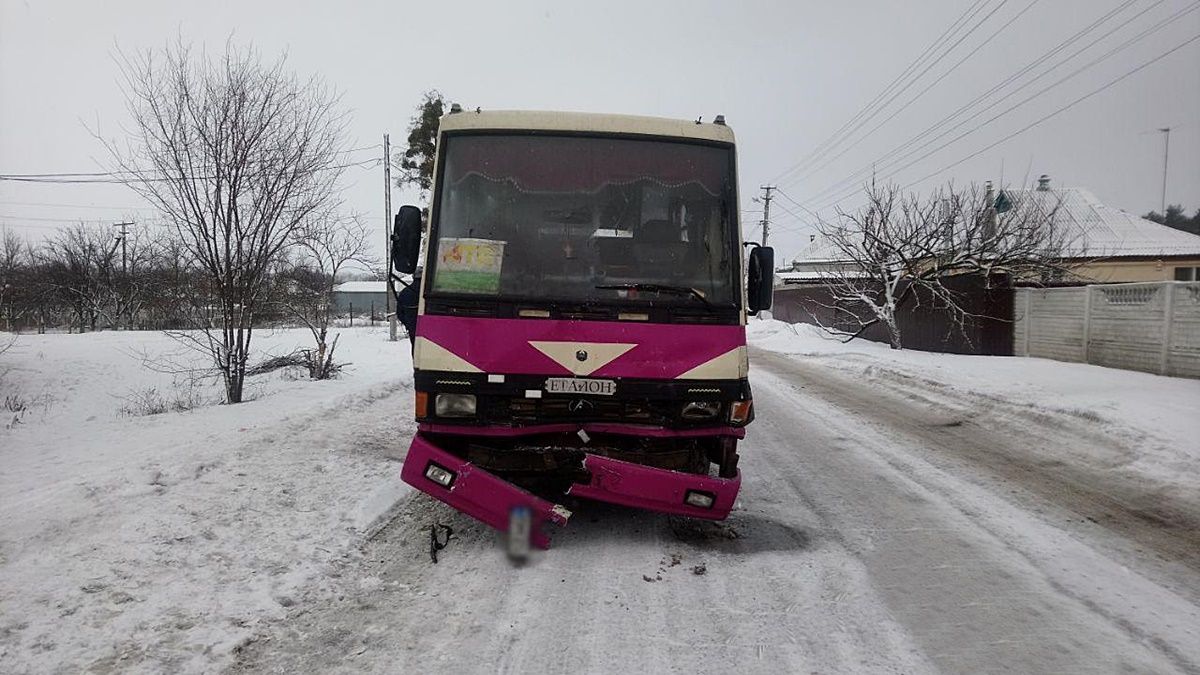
(1152, 327)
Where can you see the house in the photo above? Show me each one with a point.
(360, 297)
(1108, 245)
(1105, 244)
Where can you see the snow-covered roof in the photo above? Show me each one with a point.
(800, 277)
(361, 287)
(819, 250)
(1092, 228)
(1095, 229)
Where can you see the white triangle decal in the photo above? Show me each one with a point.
(596, 355)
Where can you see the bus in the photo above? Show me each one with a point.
(580, 331)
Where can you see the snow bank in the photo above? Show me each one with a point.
(156, 543)
(1154, 415)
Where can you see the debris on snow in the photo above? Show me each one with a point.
(436, 544)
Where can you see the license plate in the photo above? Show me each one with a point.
(575, 385)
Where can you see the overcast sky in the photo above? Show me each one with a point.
(786, 75)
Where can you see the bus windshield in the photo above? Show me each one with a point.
(543, 217)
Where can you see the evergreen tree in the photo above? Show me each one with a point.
(1176, 217)
(416, 162)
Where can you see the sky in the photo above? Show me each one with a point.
(786, 75)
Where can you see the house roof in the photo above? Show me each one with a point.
(361, 287)
(819, 250)
(1092, 228)
(1096, 230)
(787, 278)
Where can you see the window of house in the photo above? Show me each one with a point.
(1187, 273)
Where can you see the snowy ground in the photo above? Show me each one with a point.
(900, 513)
(160, 543)
(1152, 420)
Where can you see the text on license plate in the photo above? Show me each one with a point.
(573, 385)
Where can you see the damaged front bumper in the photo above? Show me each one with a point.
(476, 492)
(490, 499)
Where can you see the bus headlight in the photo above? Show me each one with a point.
(700, 410)
(454, 405)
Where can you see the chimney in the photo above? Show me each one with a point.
(812, 238)
(1043, 183)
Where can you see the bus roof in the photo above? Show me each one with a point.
(524, 120)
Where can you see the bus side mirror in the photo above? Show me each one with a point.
(406, 239)
(760, 279)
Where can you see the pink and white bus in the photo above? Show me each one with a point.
(581, 326)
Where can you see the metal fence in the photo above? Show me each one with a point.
(925, 323)
(1152, 327)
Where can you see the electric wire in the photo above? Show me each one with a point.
(126, 176)
(1063, 109)
(835, 137)
(815, 168)
(111, 178)
(901, 149)
(888, 166)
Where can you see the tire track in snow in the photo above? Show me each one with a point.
(970, 573)
(838, 558)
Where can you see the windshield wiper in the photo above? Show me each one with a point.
(683, 291)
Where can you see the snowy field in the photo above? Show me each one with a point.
(900, 512)
(160, 542)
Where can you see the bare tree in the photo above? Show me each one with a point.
(901, 248)
(79, 266)
(14, 271)
(237, 154)
(323, 247)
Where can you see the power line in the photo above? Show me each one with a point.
(125, 176)
(835, 137)
(900, 149)
(918, 96)
(927, 69)
(75, 179)
(1063, 109)
(801, 223)
(78, 206)
(53, 220)
(135, 174)
(1158, 26)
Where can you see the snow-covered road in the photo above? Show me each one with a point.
(884, 526)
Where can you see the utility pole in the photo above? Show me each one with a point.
(1166, 131)
(766, 221)
(387, 237)
(121, 238)
(125, 265)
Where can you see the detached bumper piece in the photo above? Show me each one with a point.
(476, 492)
(662, 490)
(490, 499)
